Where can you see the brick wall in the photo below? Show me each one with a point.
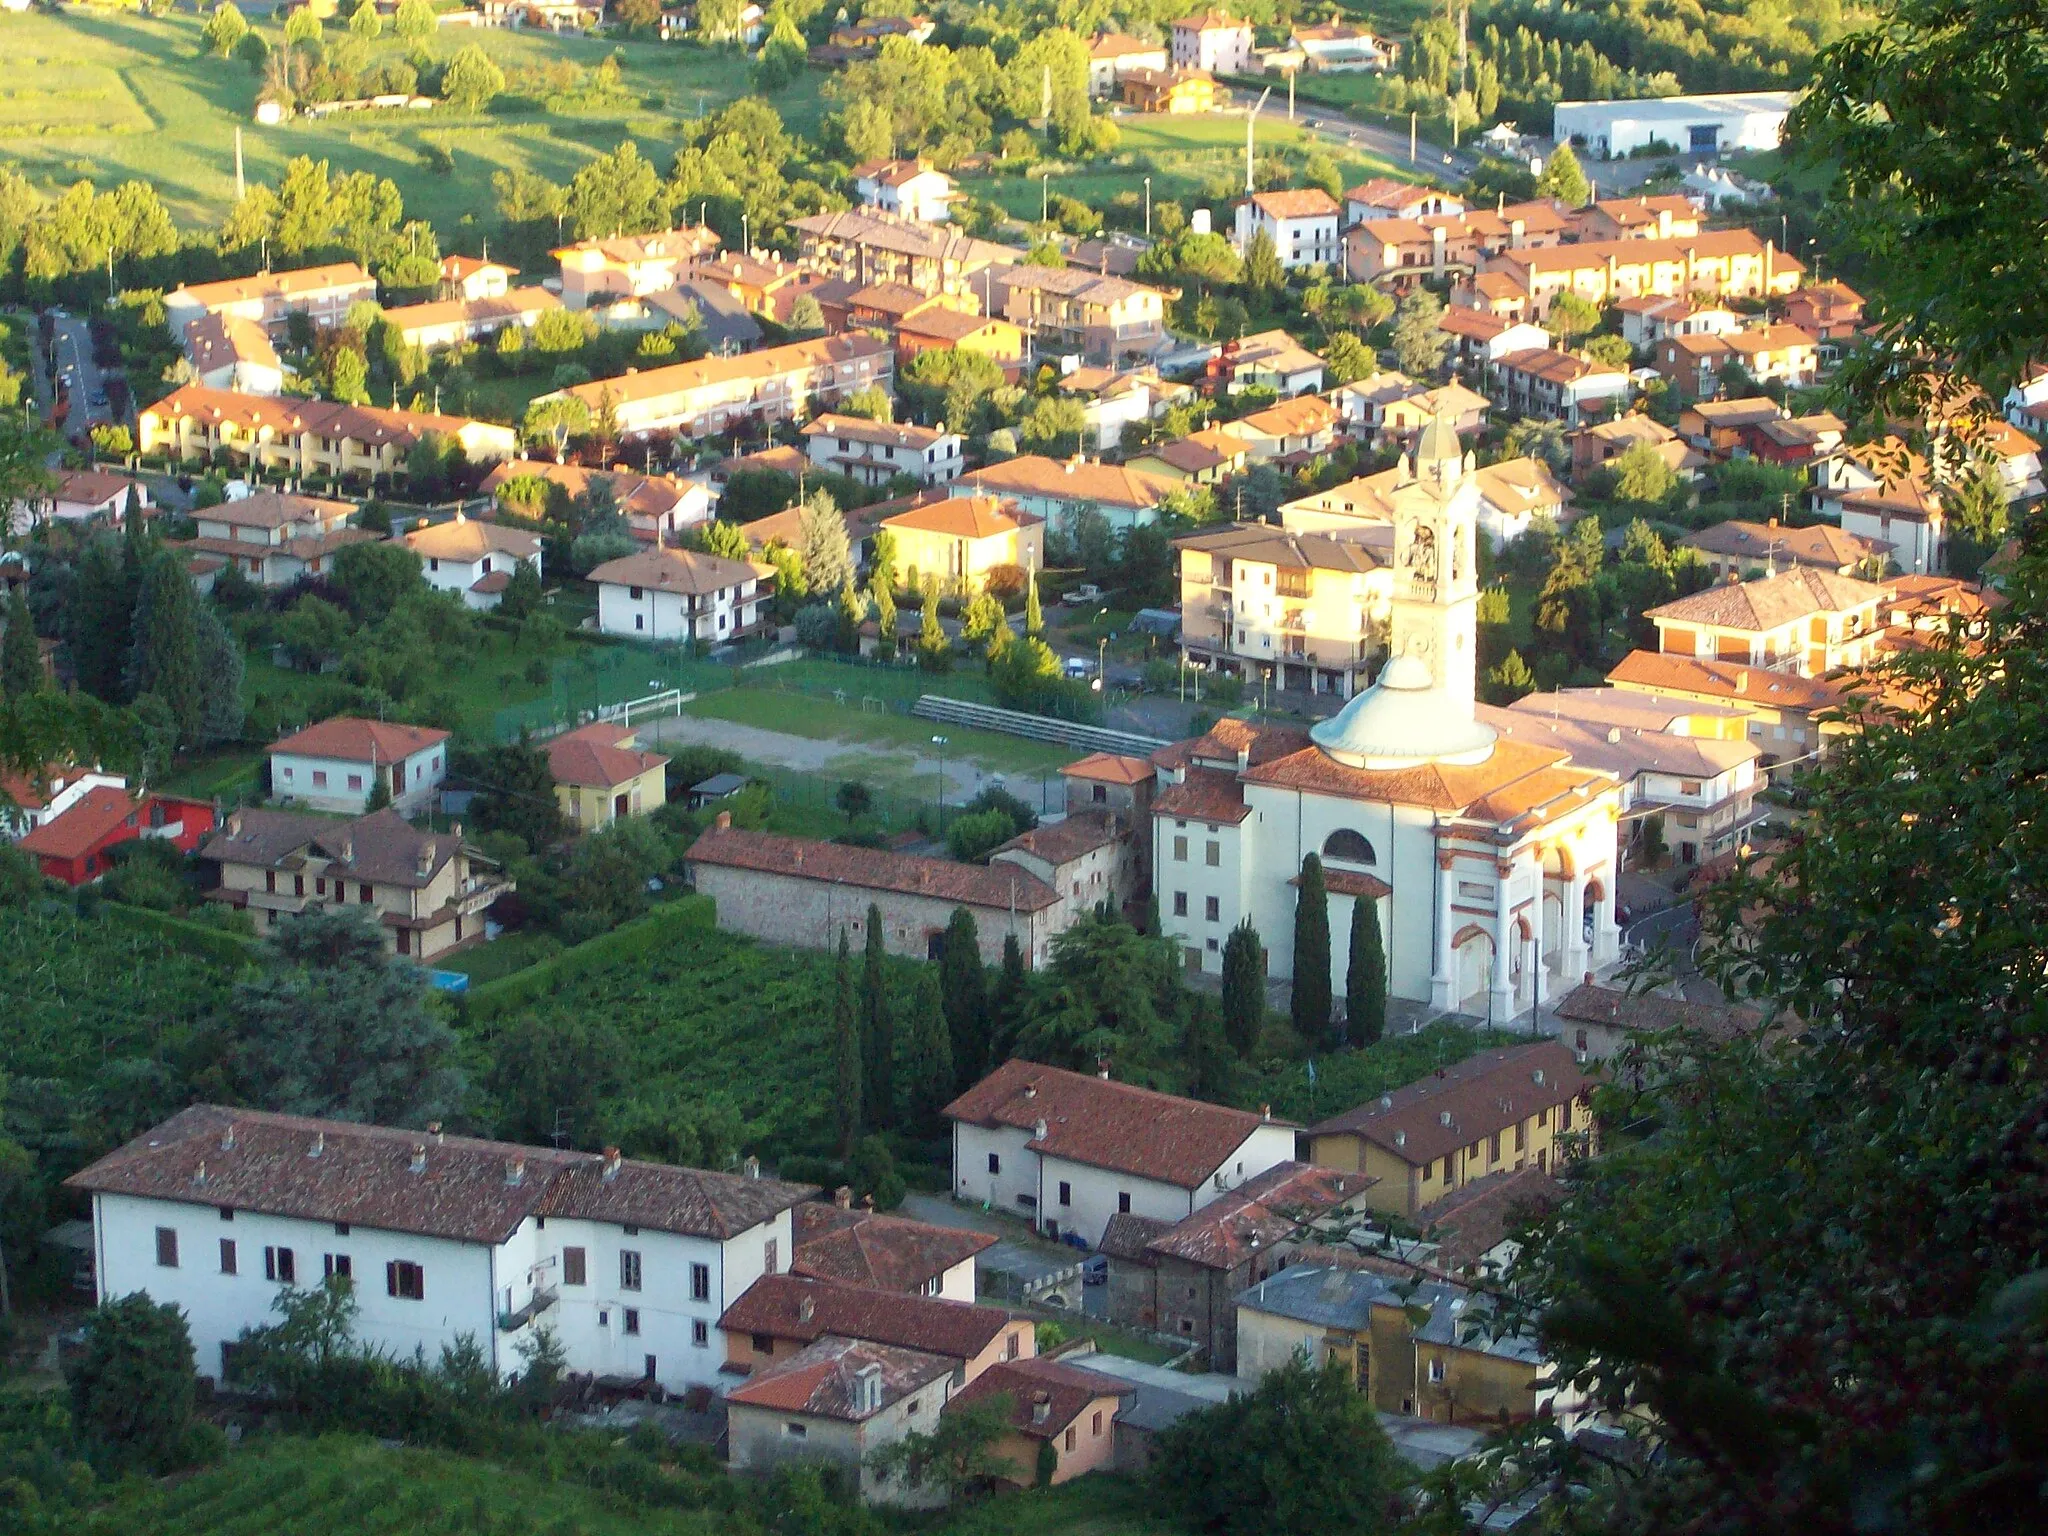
(810, 914)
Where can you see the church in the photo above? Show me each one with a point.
(1492, 861)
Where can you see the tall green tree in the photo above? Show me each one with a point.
(1365, 976)
(21, 660)
(847, 1051)
(1263, 274)
(364, 21)
(224, 29)
(516, 792)
(964, 985)
(550, 1078)
(1110, 993)
(98, 618)
(132, 1385)
(1311, 990)
(415, 20)
(924, 1057)
(164, 656)
(1009, 1002)
(1244, 987)
(878, 1030)
(1419, 341)
(1564, 179)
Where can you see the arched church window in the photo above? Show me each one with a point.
(1347, 845)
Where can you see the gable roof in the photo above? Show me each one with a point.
(1269, 1209)
(352, 739)
(1295, 203)
(1472, 1220)
(274, 509)
(592, 758)
(1064, 1390)
(274, 285)
(890, 1253)
(872, 869)
(1823, 544)
(1458, 1104)
(681, 378)
(463, 538)
(84, 824)
(1075, 479)
(792, 1307)
(1738, 682)
(887, 434)
(1107, 1124)
(457, 1187)
(823, 1379)
(1779, 600)
(678, 570)
(965, 517)
(382, 848)
(1589, 1003)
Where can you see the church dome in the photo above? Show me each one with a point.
(1402, 721)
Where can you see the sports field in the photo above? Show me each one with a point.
(115, 97)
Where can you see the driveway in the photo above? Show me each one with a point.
(1025, 1267)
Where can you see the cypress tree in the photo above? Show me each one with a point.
(1034, 615)
(877, 1030)
(21, 664)
(1312, 954)
(846, 1043)
(99, 616)
(963, 984)
(1244, 987)
(924, 1057)
(1365, 979)
(1007, 1007)
(222, 711)
(163, 657)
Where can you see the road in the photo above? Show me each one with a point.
(1432, 160)
(71, 353)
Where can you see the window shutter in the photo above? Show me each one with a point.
(391, 1278)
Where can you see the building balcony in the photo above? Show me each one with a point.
(512, 1322)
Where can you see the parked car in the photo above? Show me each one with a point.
(1074, 1240)
(1095, 1271)
(1078, 667)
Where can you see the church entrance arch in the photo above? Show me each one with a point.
(1473, 949)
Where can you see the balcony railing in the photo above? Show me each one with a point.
(512, 1322)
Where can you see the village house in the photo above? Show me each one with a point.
(339, 764)
(1510, 495)
(1113, 399)
(307, 437)
(231, 353)
(681, 594)
(27, 800)
(1294, 430)
(1448, 1367)
(860, 1247)
(1558, 386)
(1397, 252)
(598, 272)
(1273, 359)
(1169, 90)
(473, 277)
(909, 189)
(442, 1237)
(943, 329)
(1068, 1411)
(1301, 222)
(475, 560)
(1208, 457)
(601, 775)
(80, 496)
(655, 507)
(1479, 339)
(1603, 442)
(1090, 857)
(784, 1314)
(1491, 861)
(1214, 42)
(1384, 198)
(1801, 442)
(1108, 320)
(866, 246)
(1832, 311)
(1774, 354)
(427, 892)
(1468, 1233)
(1068, 1151)
(1730, 263)
(1312, 606)
(1650, 318)
(1509, 1107)
(1111, 55)
(1401, 421)
(1782, 711)
(1494, 293)
(1807, 621)
(274, 538)
(1739, 550)
(1053, 489)
(1183, 1278)
(716, 394)
(875, 452)
(837, 1402)
(759, 286)
(961, 540)
(1720, 427)
(1338, 47)
(269, 299)
(807, 893)
(1600, 1022)
(1638, 218)
(445, 322)
(73, 835)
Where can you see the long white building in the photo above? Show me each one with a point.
(1691, 125)
(630, 1263)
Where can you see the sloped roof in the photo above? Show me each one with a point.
(591, 757)
(84, 824)
(890, 1253)
(686, 571)
(965, 517)
(1472, 1220)
(1456, 1105)
(382, 847)
(1064, 1390)
(823, 1379)
(869, 869)
(1738, 682)
(464, 539)
(1590, 1003)
(791, 1307)
(1259, 1213)
(353, 739)
(1758, 606)
(1110, 768)
(681, 378)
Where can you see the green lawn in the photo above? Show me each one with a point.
(801, 714)
(115, 97)
(500, 957)
(228, 774)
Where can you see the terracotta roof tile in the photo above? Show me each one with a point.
(972, 885)
(1758, 606)
(680, 378)
(355, 740)
(1064, 1390)
(1472, 1220)
(1111, 768)
(463, 538)
(1296, 203)
(966, 517)
(890, 1253)
(1203, 794)
(1648, 1011)
(823, 1379)
(1737, 682)
(1456, 1105)
(791, 1307)
(589, 758)
(1272, 1208)
(85, 823)
(679, 570)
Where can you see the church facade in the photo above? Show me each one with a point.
(1492, 862)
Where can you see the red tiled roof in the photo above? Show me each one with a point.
(869, 869)
(355, 740)
(1738, 682)
(1110, 768)
(1065, 1390)
(886, 1253)
(1061, 842)
(822, 1379)
(1472, 1220)
(775, 1305)
(1203, 794)
(1107, 1124)
(85, 824)
(591, 757)
(1269, 1209)
(1591, 1004)
(1456, 1105)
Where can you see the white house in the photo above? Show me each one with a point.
(80, 495)
(1069, 1151)
(337, 764)
(233, 352)
(630, 1263)
(875, 452)
(1215, 42)
(1114, 54)
(276, 538)
(679, 594)
(1302, 223)
(909, 189)
(475, 560)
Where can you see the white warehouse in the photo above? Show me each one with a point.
(630, 1263)
(1691, 125)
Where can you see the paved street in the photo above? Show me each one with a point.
(72, 357)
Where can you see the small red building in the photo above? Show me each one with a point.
(72, 847)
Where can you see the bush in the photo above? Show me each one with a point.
(974, 837)
(641, 936)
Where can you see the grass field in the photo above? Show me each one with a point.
(117, 97)
(821, 720)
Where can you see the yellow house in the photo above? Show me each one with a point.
(1490, 1113)
(306, 437)
(1168, 90)
(600, 775)
(960, 540)
(1208, 457)
(1806, 621)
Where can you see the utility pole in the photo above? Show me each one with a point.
(1044, 196)
(241, 186)
(1290, 95)
(1251, 119)
(1148, 207)
(1411, 138)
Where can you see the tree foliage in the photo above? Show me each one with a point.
(1311, 989)
(1365, 976)
(132, 1384)
(1244, 987)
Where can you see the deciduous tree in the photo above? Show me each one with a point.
(132, 1385)
(471, 80)
(224, 28)
(1419, 342)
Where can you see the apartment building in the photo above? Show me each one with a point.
(1213, 41)
(1401, 250)
(600, 272)
(307, 437)
(1667, 217)
(1605, 441)
(1773, 354)
(865, 246)
(1302, 223)
(1108, 320)
(680, 594)
(269, 299)
(715, 394)
(655, 507)
(1730, 263)
(1651, 318)
(1557, 386)
(875, 452)
(445, 322)
(1314, 607)
(1806, 621)
(1384, 198)
(1781, 710)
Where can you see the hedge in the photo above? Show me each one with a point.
(625, 942)
(182, 933)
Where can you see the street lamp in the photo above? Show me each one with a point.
(1148, 207)
(940, 743)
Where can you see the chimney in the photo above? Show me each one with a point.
(1400, 1138)
(798, 856)
(348, 850)
(611, 1162)
(1038, 1130)
(924, 879)
(515, 1172)
(1386, 1101)
(234, 821)
(419, 1157)
(199, 1173)
(843, 1197)
(227, 1138)
(319, 1144)
(1742, 682)
(1244, 759)
(434, 1130)
(867, 1203)
(1265, 1111)
(1538, 1075)
(1444, 1117)
(1589, 978)
(426, 858)
(751, 1168)
(806, 1308)
(722, 822)
(1041, 1407)
(455, 830)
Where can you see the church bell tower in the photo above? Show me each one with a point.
(1436, 577)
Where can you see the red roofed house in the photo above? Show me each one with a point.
(80, 495)
(337, 764)
(1071, 1152)
(1302, 223)
(855, 1246)
(779, 1315)
(1061, 1406)
(960, 540)
(27, 801)
(601, 775)
(72, 846)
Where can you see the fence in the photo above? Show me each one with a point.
(1065, 733)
